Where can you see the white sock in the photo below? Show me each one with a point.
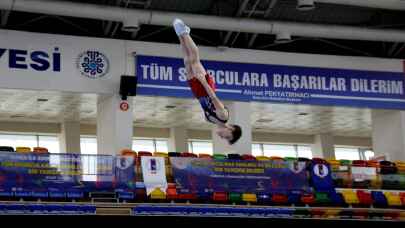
(180, 27)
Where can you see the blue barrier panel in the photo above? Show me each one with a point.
(57, 194)
(6, 193)
(126, 195)
(53, 208)
(75, 195)
(213, 211)
(89, 209)
(39, 194)
(15, 209)
(23, 194)
(38, 209)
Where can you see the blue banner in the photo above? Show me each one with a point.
(64, 172)
(163, 76)
(198, 175)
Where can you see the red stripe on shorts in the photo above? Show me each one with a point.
(198, 89)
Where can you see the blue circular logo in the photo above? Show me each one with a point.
(92, 64)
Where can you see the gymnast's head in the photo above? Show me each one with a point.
(230, 132)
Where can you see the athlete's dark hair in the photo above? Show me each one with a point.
(236, 134)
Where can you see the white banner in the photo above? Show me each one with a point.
(154, 173)
(363, 173)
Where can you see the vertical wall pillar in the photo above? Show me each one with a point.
(114, 126)
(178, 139)
(324, 146)
(389, 134)
(70, 137)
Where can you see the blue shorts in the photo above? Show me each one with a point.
(210, 111)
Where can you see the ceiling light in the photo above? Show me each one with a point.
(130, 25)
(305, 5)
(222, 48)
(282, 38)
(17, 116)
(264, 120)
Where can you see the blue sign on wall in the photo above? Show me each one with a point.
(163, 76)
(197, 175)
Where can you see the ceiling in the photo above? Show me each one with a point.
(164, 112)
(279, 10)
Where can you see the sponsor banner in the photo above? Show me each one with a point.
(62, 172)
(154, 173)
(198, 175)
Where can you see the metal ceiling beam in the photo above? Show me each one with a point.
(32, 20)
(320, 40)
(147, 4)
(108, 25)
(266, 15)
(392, 49)
(117, 24)
(242, 8)
(4, 17)
(248, 16)
(81, 28)
(399, 50)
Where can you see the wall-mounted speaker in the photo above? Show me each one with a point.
(128, 86)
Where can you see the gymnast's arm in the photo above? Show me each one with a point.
(220, 108)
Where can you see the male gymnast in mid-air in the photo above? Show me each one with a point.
(203, 87)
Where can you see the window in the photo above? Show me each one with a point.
(281, 150)
(151, 145)
(88, 145)
(368, 154)
(353, 153)
(88, 149)
(200, 147)
(51, 142)
(161, 146)
(304, 151)
(347, 153)
(143, 145)
(18, 140)
(257, 149)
